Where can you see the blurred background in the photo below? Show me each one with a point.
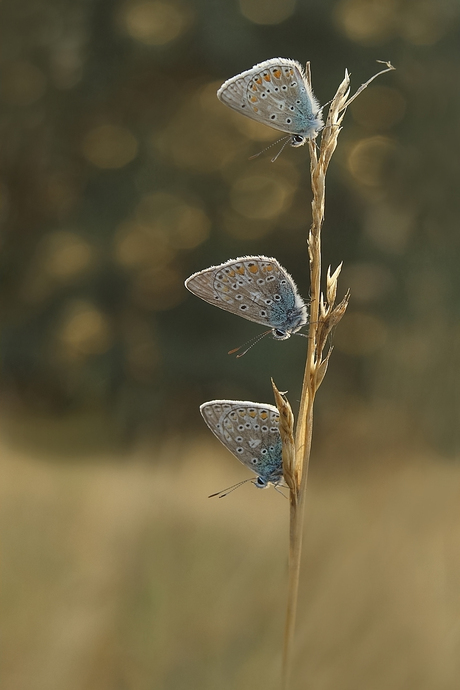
(121, 174)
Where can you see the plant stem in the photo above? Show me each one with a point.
(304, 434)
(324, 316)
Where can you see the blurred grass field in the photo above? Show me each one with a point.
(120, 574)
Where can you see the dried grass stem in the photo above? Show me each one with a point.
(324, 316)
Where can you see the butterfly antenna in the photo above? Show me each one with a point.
(269, 147)
(281, 149)
(279, 491)
(225, 492)
(251, 342)
(323, 106)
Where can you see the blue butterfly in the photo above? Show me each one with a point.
(251, 432)
(256, 288)
(276, 93)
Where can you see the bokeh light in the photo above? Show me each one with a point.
(155, 23)
(267, 11)
(362, 334)
(379, 108)
(183, 225)
(64, 255)
(389, 227)
(259, 196)
(138, 244)
(374, 22)
(370, 160)
(23, 83)
(84, 331)
(368, 21)
(109, 146)
(368, 282)
(158, 289)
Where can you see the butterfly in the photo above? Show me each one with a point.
(251, 432)
(255, 287)
(276, 92)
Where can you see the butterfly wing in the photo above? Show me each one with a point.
(255, 287)
(276, 93)
(251, 432)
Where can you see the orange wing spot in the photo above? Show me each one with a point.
(264, 415)
(240, 270)
(258, 80)
(253, 88)
(256, 110)
(267, 77)
(253, 99)
(224, 288)
(277, 73)
(252, 413)
(291, 71)
(231, 274)
(268, 267)
(253, 268)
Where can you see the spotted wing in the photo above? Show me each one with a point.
(276, 93)
(255, 287)
(250, 431)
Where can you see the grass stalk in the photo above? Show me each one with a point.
(324, 316)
